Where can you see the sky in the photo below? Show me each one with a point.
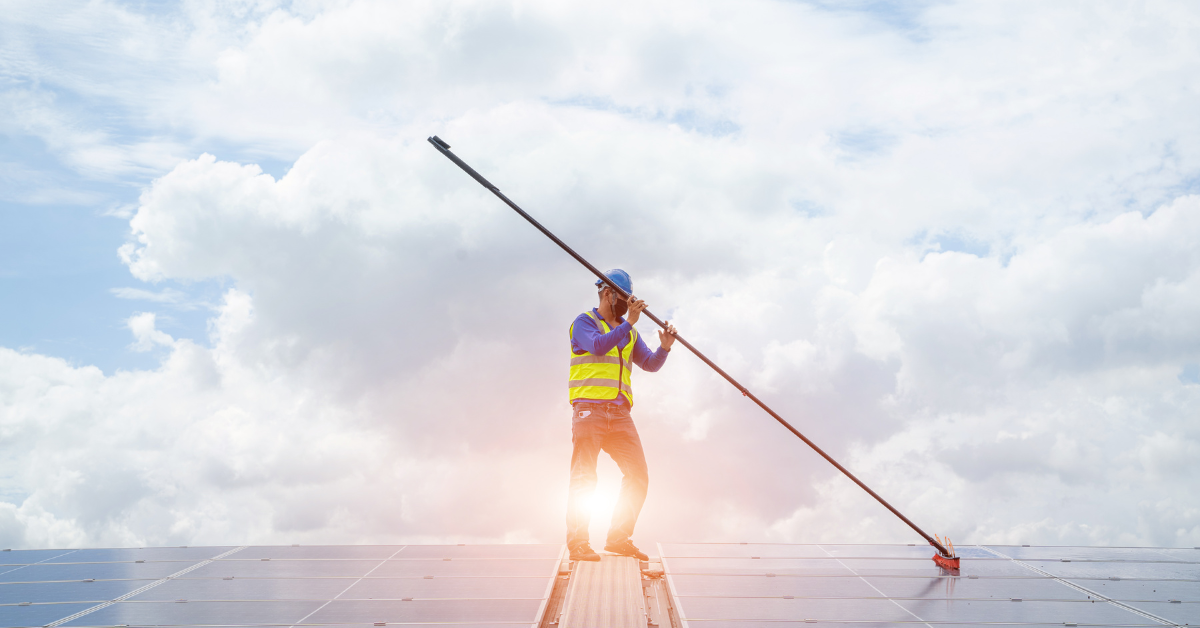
(954, 243)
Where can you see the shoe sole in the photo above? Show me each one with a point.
(623, 554)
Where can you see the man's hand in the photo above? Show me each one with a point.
(667, 338)
(636, 306)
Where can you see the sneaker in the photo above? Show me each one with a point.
(584, 551)
(626, 548)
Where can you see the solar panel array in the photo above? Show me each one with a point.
(711, 585)
(479, 586)
(745, 585)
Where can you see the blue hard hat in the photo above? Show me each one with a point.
(619, 277)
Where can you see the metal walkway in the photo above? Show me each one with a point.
(605, 594)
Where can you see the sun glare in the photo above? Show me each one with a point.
(601, 505)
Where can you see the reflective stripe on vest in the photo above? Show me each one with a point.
(602, 376)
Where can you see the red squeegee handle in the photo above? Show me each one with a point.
(444, 148)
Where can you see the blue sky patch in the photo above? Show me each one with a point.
(1190, 374)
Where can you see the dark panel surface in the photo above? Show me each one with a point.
(362, 552)
(480, 585)
(1177, 553)
(1147, 590)
(197, 613)
(797, 609)
(66, 591)
(740, 550)
(910, 622)
(467, 567)
(779, 586)
(1108, 554)
(427, 611)
(1149, 571)
(511, 624)
(1026, 611)
(748, 566)
(718, 584)
(37, 614)
(470, 587)
(481, 551)
(1183, 613)
(284, 568)
(47, 572)
(16, 558)
(840, 566)
(916, 552)
(1030, 588)
(783, 550)
(246, 589)
(148, 554)
(750, 585)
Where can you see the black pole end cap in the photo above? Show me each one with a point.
(439, 142)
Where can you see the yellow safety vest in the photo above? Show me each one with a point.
(602, 376)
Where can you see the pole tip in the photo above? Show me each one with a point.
(437, 141)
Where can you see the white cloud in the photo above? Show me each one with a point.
(962, 260)
(145, 333)
(167, 295)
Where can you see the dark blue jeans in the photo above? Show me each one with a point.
(607, 427)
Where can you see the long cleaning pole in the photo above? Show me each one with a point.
(444, 148)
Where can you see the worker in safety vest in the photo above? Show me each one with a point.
(604, 348)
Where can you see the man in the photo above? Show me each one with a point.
(604, 348)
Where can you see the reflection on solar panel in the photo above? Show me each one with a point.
(719, 585)
(477, 586)
(691, 585)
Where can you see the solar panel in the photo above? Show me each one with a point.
(720, 585)
(776, 584)
(477, 586)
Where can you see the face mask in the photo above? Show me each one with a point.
(619, 307)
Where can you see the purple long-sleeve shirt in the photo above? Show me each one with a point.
(586, 335)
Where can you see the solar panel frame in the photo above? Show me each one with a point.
(541, 612)
(674, 593)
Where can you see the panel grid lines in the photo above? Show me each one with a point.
(93, 609)
(498, 586)
(1087, 591)
(662, 557)
(22, 566)
(381, 563)
(545, 600)
(893, 600)
(751, 585)
(482, 586)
